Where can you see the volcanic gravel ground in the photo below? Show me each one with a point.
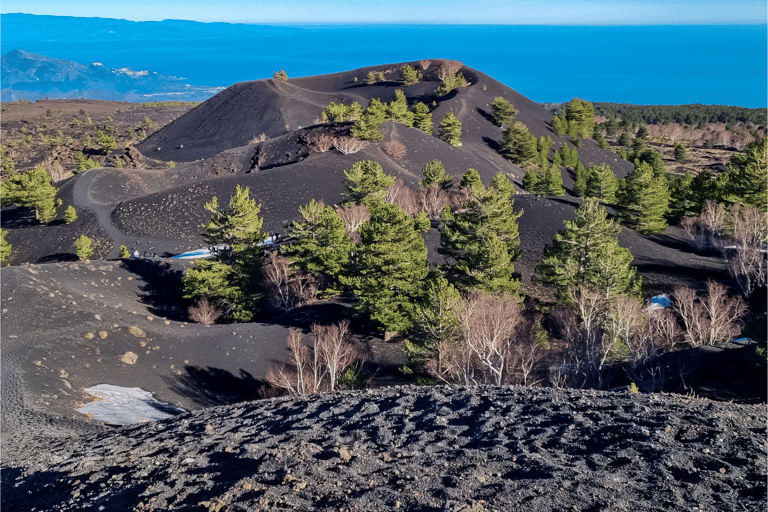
(415, 449)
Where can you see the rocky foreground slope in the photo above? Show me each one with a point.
(414, 449)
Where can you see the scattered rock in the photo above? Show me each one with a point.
(129, 358)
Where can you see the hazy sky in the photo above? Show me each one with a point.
(614, 12)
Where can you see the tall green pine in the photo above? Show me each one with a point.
(450, 130)
(519, 145)
(422, 118)
(644, 200)
(587, 253)
(322, 244)
(366, 178)
(503, 111)
(435, 174)
(388, 268)
(475, 235)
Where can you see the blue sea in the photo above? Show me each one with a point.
(724, 64)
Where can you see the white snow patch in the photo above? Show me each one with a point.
(124, 406)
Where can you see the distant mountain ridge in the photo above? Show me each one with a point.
(30, 76)
(31, 27)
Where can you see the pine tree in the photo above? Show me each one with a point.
(748, 176)
(322, 243)
(421, 222)
(367, 127)
(602, 183)
(569, 157)
(559, 125)
(83, 247)
(642, 132)
(230, 280)
(336, 113)
(531, 182)
(397, 109)
(33, 189)
(236, 226)
(435, 174)
(366, 178)
(552, 182)
(409, 75)
(106, 142)
(638, 145)
(8, 165)
(436, 320)
(519, 144)
(580, 115)
(681, 152)
(450, 130)
(581, 179)
(223, 286)
(644, 200)
(5, 246)
(450, 83)
(503, 111)
(587, 253)
(422, 118)
(681, 197)
(474, 236)
(388, 268)
(704, 187)
(472, 180)
(542, 146)
(624, 139)
(501, 183)
(70, 214)
(598, 137)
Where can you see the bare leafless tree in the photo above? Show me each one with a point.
(304, 373)
(590, 344)
(450, 363)
(353, 216)
(655, 337)
(713, 220)
(288, 288)
(204, 312)
(337, 353)
(349, 145)
(303, 287)
(318, 367)
(258, 138)
(711, 319)
(277, 273)
(403, 196)
(394, 148)
(749, 268)
(744, 250)
(432, 199)
(625, 316)
(425, 63)
(320, 143)
(695, 229)
(488, 326)
(458, 197)
(448, 67)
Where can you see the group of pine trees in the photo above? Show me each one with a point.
(384, 264)
(368, 120)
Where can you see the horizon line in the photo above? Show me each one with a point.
(421, 23)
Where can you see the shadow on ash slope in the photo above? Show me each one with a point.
(414, 449)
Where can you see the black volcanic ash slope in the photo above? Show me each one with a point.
(237, 114)
(436, 448)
